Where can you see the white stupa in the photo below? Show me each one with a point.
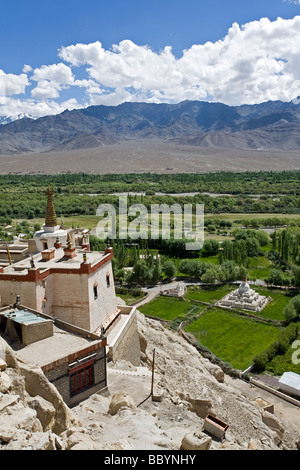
(244, 298)
(51, 232)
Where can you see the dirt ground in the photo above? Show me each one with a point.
(159, 425)
(288, 414)
(181, 374)
(139, 157)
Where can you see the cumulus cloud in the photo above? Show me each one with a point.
(254, 62)
(51, 79)
(11, 84)
(14, 107)
(27, 68)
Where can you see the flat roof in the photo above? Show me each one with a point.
(59, 261)
(291, 379)
(23, 316)
(54, 348)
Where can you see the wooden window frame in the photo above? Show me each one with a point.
(85, 375)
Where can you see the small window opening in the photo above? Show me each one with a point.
(95, 292)
(107, 280)
(82, 379)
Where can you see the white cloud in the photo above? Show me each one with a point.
(11, 84)
(255, 62)
(51, 79)
(27, 68)
(14, 107)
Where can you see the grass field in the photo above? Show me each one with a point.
(90, 221)
(280, 299)
(208, 294)
(285, 362)
(259, 268)
(273, 311)
(169, 308)
(82, 221)
(232, 217)
(233, 339)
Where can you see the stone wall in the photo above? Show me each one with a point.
(36, 331)
(128, 348)
(106, 302)
(60, 378)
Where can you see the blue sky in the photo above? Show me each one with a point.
(79, 53)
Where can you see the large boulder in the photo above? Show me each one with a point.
(216, 372)
(37, 384)
(196, 441)
(32, 441)
(7, 355)
(45, 411)
(273, 423)
(5, 382)
(120, 401)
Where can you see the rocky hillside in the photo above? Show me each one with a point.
(33, 416)
(271, 125)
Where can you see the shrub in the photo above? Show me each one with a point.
(280, 346)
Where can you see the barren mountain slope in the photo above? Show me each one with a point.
(271, 125)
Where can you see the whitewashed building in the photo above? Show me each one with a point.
(290, 383)
(63, 279)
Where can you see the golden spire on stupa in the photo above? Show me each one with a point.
(51, 220)
(69, 243)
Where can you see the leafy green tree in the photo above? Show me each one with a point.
(169, 269)
(296, 275)
(212, 275)
(230, 270)
(156, 273)
(292, 310)
(193, 267)
(289, 312)
(140, 273)
(210, 247)
(276, 277)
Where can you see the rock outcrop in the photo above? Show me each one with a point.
(32, 412)
(33, 415)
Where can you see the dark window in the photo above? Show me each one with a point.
(95, 292)
(81, 378)
(107, 280)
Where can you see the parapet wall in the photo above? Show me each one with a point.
(126, 345)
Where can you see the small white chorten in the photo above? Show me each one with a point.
(244, 298)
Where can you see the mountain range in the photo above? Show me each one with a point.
(266, 126)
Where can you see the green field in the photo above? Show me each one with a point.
(274, 310)
(233, 339)
(169, 308)
(259, 268)
(285, 363)
(76, 221)
(232, 217)
(208, 294)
